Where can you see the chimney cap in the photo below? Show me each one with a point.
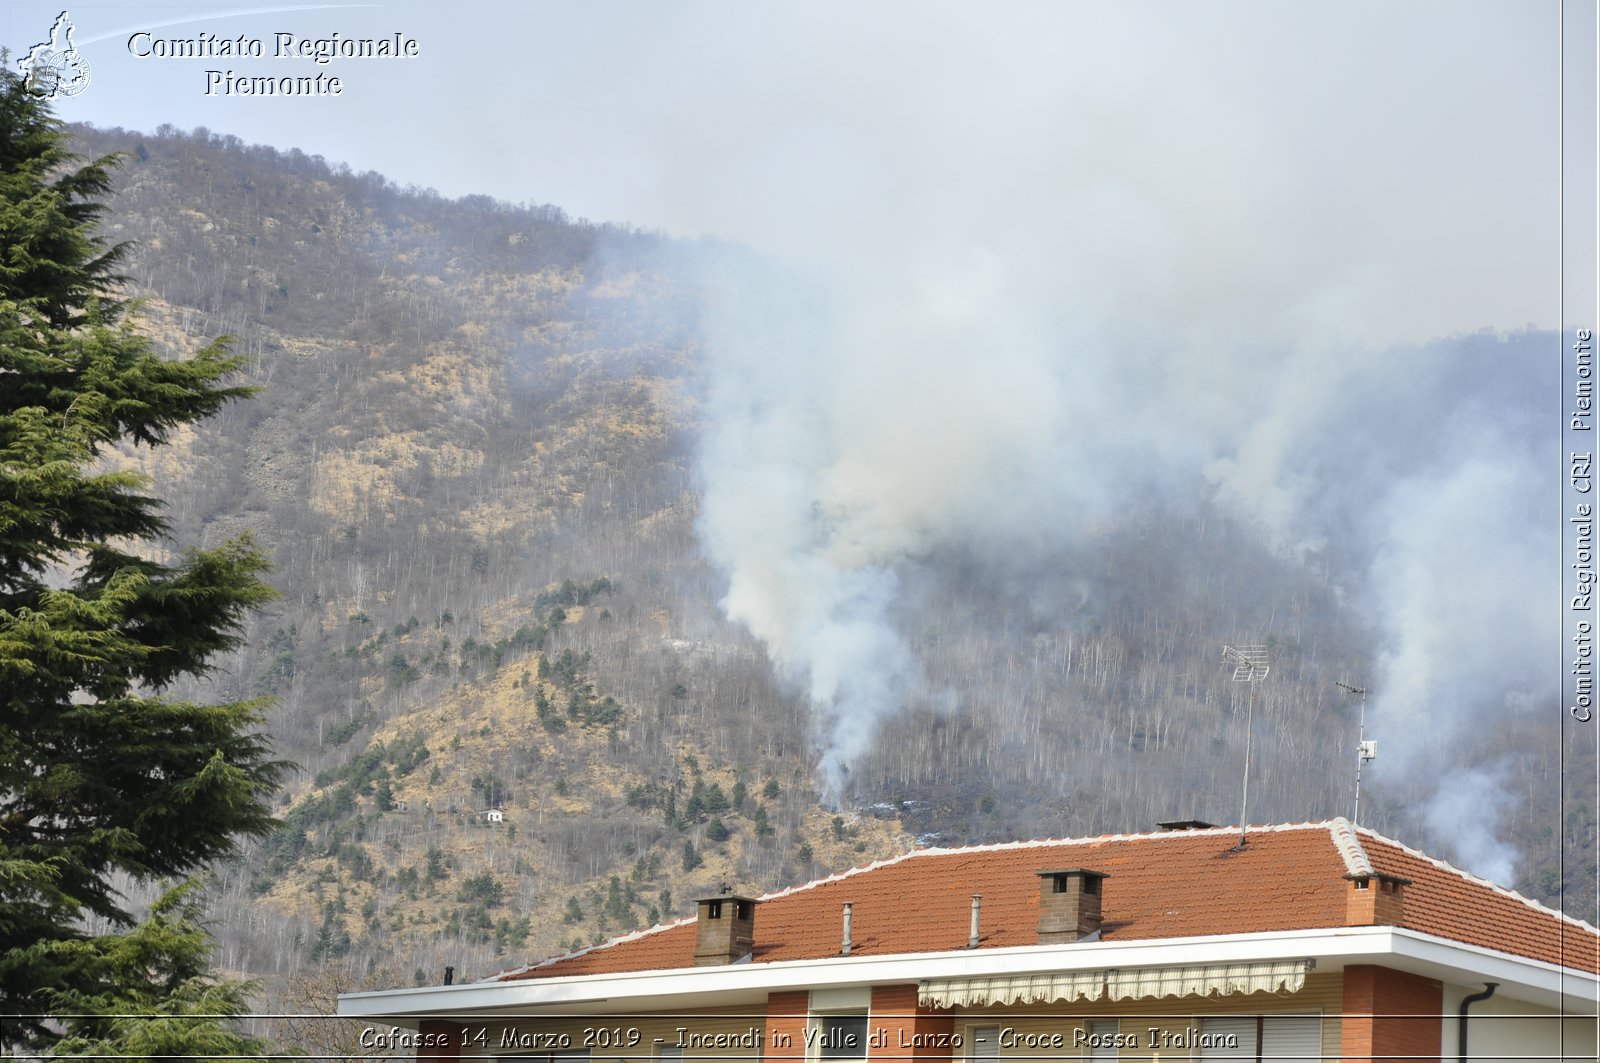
(1392, 880)
(1185, 824)
(1074, 871)
(733, 906)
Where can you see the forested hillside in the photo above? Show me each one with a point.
(474, 463)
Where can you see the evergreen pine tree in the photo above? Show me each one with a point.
(100, 774)
(153, 997)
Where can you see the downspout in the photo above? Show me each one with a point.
(1461, 1023)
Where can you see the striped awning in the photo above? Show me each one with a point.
(1223, 979)
(1139, 983)
(1046, 988)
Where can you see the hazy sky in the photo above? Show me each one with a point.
(1400, 159)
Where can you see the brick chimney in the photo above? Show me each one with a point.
(725, 929)
(1375, 900)
(1069, 904)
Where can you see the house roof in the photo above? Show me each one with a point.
(1171, 884)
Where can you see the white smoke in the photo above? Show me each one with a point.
(1466, 810)
(1461, 588)
(839, 448)
(1028, 289)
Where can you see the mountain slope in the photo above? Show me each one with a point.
(474, 460)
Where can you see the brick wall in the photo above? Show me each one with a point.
(785, 1035)
(1388, 907)
(901, 1029)
(440, 1039)
(1374, 901)
(1072, 913)
(1390, 1015)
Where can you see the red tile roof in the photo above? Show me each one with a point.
(1165, 885)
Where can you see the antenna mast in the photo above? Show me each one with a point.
(1249, 666)
(1365, 750)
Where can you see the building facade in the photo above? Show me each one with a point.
(1310, 941)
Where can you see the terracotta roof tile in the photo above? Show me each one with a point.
(1450, 903)
(1164, 885)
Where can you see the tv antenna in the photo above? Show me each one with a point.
(1249, 666)
(1365, 750)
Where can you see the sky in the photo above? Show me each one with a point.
(1398, 148)
(1055, 246)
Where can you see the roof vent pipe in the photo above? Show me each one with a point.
(972, 934)
(1461, 1023)
(845, 949)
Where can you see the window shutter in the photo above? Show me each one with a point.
(986, 1044)
(1105, 1030)
(1291, 1038)
(1242, 1029)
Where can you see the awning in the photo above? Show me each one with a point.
(1223, 979)
(1045, 988)
(1141, 983)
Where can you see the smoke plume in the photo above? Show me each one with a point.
(1037, 267)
